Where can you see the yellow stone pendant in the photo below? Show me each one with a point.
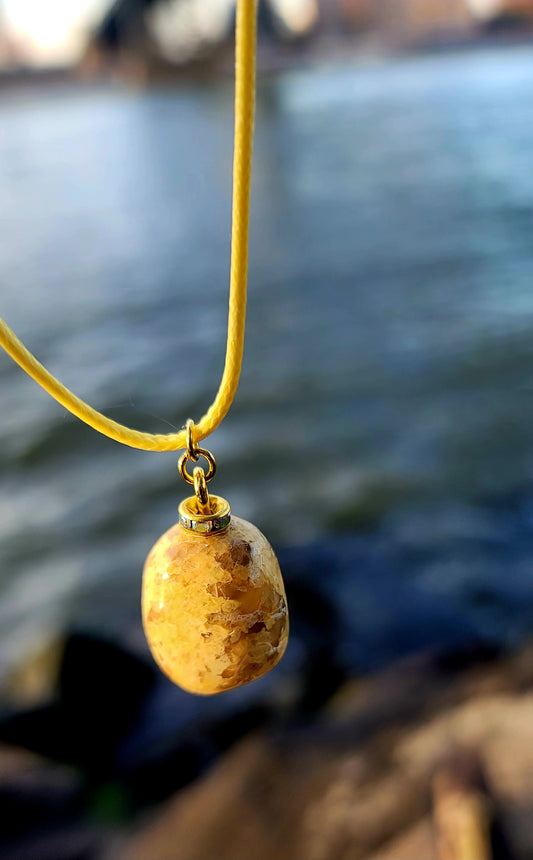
(213, 601)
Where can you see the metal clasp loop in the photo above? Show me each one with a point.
(199, 478)
(191, 446)
(201, 492)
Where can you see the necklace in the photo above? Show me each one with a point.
(213, 601)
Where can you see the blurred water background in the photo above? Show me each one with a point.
(387, 389)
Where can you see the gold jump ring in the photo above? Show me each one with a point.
(192, 450)
(200, 452)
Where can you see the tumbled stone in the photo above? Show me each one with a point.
(214, 607)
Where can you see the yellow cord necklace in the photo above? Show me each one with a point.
(214, 605)
(245, 55)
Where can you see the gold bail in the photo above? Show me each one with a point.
(193, 452)
(201, 491)
(201, 513)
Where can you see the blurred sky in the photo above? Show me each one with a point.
(53, 31)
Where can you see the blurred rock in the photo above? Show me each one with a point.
(87, 715)
(41, 806)
(357, 783)
(35, 678)
(74, 842)
(466, 824)
(33, 792)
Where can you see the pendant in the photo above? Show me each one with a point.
(213, 601)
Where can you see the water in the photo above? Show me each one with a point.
(389, 351)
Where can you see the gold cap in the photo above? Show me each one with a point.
(216, 521)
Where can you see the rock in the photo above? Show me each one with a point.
(99, 692)
(465, 824)
(42, 804)
(34, 680)
(357, 783)
(416, 842)
(214, 607)
(73, 842)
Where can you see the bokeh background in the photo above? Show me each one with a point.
(382, 432)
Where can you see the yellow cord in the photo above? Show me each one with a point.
(245, 51)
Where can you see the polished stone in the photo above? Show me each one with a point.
(214, 607)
